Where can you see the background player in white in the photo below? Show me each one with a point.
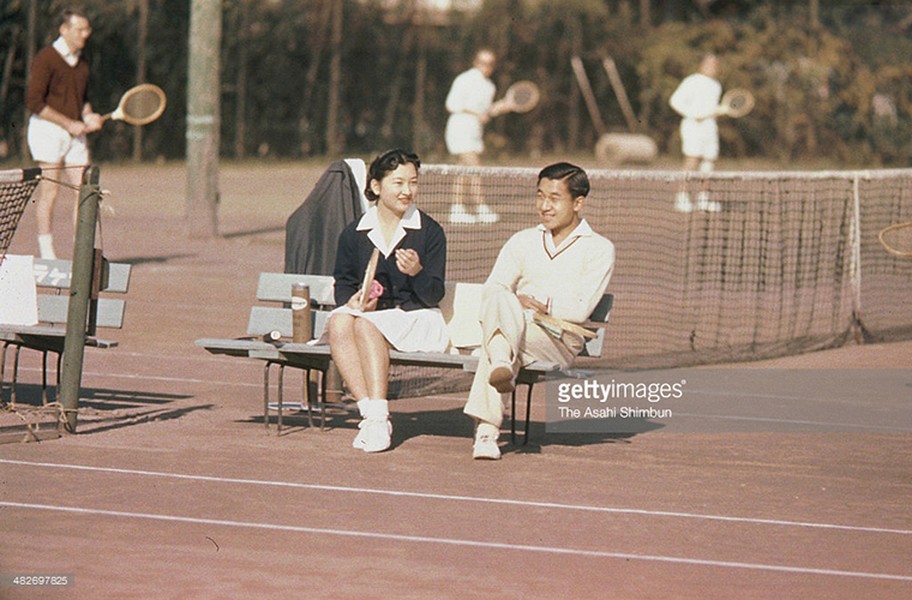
(468, 102)
(696, 99)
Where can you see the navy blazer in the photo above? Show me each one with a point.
(425, 290)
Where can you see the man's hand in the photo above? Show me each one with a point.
(531, 303)
(93, 122)
(76, 128)
(408, 262)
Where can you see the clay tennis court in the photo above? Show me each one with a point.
(173, 488)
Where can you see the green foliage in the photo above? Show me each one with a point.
(842, 89)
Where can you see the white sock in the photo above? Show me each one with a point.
(373, 408)
(46, 246)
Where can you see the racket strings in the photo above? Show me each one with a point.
(142, 104)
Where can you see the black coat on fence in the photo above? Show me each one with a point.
(312, 231)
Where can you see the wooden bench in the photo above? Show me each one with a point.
(52, 278)
(460, 307)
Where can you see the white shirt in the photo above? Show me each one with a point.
(63, 49)
(370, 222)
(470, 96)
(697, 96)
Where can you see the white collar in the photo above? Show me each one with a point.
(63, 49)
(581, 230)
(370, 222)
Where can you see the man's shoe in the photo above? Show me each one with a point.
(705, 204)
(486, 215)
(682, 202)
(485, 447)
(501, 379)
(460, 216)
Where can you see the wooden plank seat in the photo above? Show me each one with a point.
(52, 278)
(460, 308)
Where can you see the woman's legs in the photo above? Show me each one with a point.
(361, 354)
(373, 352)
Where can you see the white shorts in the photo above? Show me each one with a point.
(420, 330)
(464, 134)
(700, 139)
(51, 143)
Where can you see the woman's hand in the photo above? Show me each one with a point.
(354, 303)
(408, 262)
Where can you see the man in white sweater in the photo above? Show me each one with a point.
(559, 268)
(696, 99)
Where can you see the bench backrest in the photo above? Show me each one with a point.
(56, 275)
(461, 306)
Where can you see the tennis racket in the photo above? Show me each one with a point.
(897, 239)
(140, 105)
(521, 97)
(369, 273)
(736, 103)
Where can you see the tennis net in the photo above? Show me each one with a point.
(16, 187)
(780, 262)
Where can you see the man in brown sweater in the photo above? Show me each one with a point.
(61, 117)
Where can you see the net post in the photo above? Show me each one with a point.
(857, 326)
(80, 295)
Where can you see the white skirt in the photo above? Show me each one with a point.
(420, 330)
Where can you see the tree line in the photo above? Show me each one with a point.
(329, 77)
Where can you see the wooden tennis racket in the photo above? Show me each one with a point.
(521, 97)
(558, 323)
(140, 105)
(369, 273)
(897, 239)
(736, 103)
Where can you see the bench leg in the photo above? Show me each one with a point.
(15, 375)
(3, 369)
(324, 381)
(280, 398)
(306, 397)
(266, 394)
(528, 412)
(44, 379)
(513, 415)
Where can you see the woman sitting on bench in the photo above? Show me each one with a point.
(401, 309)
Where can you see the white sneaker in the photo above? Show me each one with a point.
(682, 202)
(375, 429)
(486, 215)
(375, 434)
(485, 446)
(460, 216)
(704, 203)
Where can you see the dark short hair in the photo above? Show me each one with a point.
(68, 13)
(385, 164)
(576, 178)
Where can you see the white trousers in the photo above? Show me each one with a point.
(529, 342)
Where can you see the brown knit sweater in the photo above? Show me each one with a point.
(54, 83)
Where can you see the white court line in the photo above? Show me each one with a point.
(432, 496)
(463, 542)
(831, 424)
